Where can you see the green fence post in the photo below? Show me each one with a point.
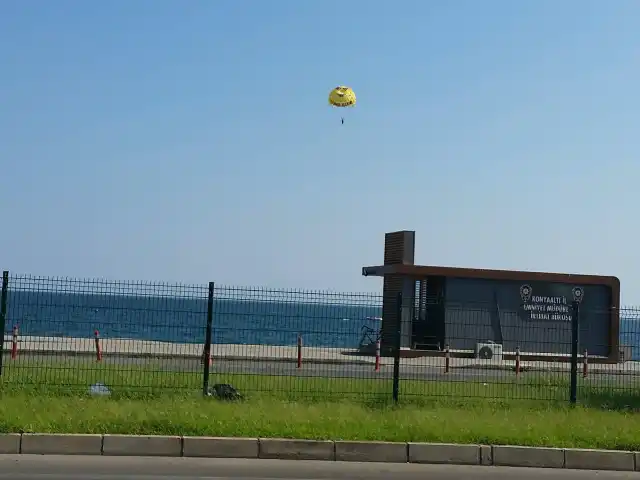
(3, 312)
(575, 332)
(396, 350)
(206, 355)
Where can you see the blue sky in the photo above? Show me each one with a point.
(192, 141)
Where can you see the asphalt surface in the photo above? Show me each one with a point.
(423, 371)
(27, 467)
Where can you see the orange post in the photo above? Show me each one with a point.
(98, 347)
(204, 355)
(377, 355)
(447, 359)
(14, 343)
(299, 351)
(585, 364)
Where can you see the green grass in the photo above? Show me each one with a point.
(482, 423)
(152, 380)
(148, 400)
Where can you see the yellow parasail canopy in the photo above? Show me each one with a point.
(342, 96)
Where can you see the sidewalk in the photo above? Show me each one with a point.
(123, 347)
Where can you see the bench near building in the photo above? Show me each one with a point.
(493, 311)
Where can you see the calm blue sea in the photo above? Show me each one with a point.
(184, 319)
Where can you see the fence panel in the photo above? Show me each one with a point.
(480, 351)
(68, 335)
(297, 344)
(605, 384)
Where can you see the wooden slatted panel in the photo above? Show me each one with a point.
(399, 248)
(391, 287)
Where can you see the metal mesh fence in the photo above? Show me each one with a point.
(67, 336)
(291, 343)
(610, 385)
(482, 356)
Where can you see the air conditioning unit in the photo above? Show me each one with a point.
(489, 351)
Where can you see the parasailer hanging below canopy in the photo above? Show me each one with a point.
(342, 97)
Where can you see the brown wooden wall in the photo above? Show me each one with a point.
(399, 248)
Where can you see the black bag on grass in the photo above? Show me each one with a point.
(224, 391)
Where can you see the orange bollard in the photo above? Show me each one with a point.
(585, 364)
(299, 351)
(204, 354)
(517, 361)
(98, 348)
(447, 359)
(377, 355)
(14, 343)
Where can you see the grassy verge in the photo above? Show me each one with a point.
(149, 400)
(480, 423)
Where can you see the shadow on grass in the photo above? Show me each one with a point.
(605, 399)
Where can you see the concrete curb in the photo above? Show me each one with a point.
(329, 450)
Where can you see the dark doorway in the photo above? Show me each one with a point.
(428, 318)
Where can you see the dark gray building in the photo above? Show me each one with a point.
(465, 308)
(538, 321)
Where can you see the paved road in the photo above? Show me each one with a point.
(426, 372)
(309, 369)
(26, 467)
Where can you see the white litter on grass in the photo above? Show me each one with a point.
(99, 389)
